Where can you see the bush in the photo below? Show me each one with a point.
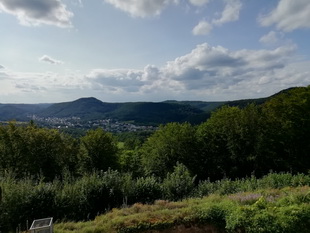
(147, 190)
(84, 198)
(179, 184)
(280, 180)
(204, 188)
(23, 201)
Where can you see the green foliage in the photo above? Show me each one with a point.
(280, 180)
(98, 151)
(130, 161)
(179, 184)
(270, 181)
(237, 142)
(231, 142)
(220, 213)
(24, 200)
(92, 194)
(289, 129)
(36, 151)
(267, 218)
(46, 172)
(204, 188)
(214, 212)
(147, 190)
(234, 143)
(133, 140)
(171, 143)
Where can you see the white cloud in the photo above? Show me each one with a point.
(207, 71)
(271, 38)
(37, 12)
(202, 28)
(1, 67)
(289, 15)
(113, 80)
(215, 69)
(230, 13)
(50, 60)
(141, 8)
(199, 2)
(123, 79)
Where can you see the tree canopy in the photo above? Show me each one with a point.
(234, 142)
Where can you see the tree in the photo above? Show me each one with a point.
(130, 161)
(49, 152)
(171, 143)
(12, 149)
(288, 120)
(231, 142)
(30, 150)
(98, 150)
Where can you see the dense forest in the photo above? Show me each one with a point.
(45, 172)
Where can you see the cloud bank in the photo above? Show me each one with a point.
(37, 12)
(205, 73)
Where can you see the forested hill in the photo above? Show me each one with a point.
(147, 113)
(47, 172)
(20, 111)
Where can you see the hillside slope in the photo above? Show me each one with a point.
(139, 112)
(19, 111)
(86, 108)
(147, 113)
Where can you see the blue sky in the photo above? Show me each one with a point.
(151, 50)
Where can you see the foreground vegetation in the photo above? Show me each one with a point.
(273, 210)
(89, 196)
(44, 172)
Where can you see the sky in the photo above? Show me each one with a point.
(152, 50)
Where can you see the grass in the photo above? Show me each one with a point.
(269, 210)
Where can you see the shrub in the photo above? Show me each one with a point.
(147, 190)
(179, 184)
(204, 188)
(280, 180)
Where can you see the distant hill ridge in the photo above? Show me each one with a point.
(147, 113)
(137, 112)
